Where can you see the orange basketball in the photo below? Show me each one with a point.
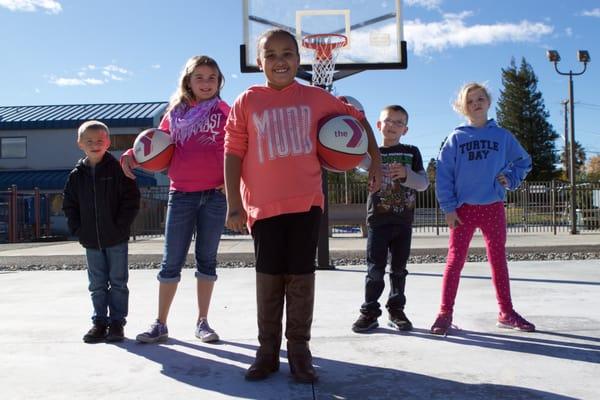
(342, 142)
(153, 149)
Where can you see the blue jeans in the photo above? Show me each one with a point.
(381, 240)
(108, 275)
(203, 211)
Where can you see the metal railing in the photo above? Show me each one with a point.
(24, 215)
(534, 207)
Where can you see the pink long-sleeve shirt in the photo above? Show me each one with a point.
(197, 164)
(274, 132)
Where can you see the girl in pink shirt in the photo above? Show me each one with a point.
(273, 183)
(195, 119)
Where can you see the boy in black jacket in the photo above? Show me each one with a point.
(100, 203)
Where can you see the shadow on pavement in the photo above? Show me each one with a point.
(524, 343)
(338, 379)
(488, 278)
(482, 277)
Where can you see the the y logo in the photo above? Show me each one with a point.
(147, 142)
(356, 133)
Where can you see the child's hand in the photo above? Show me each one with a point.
(503, 180)
(236, 220)
(452, 220)
(128, 164)
(397, 171)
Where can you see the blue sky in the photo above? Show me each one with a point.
(91, 51)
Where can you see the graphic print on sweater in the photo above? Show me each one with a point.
(393, 196)
(283, 132)
(478, 149)
(209, 130)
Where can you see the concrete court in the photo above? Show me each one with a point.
(45, 315)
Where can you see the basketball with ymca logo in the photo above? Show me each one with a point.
(153, 149)
(342, 142)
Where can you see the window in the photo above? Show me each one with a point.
(13, 147)
(121, 142)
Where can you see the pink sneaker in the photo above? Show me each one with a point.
(442, 324)
(514, 321)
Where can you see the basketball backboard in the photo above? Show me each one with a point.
(373, 29)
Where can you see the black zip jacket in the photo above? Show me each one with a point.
(100, 206)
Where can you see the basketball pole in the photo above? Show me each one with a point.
(323, 260)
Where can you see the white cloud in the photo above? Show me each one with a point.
(155, 66)
(67, 81)
(452, 31)
(429, 4)
(591, 13)
(50, 6)
(434, 37)
(91, 75)
(93, 81)
(75, 81)
(115, 68)
(569, 32)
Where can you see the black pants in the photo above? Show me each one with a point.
(287, 243)
(381, 240)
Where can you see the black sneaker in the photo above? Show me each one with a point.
(365, 323)
(96, 334)
(398, 320)
(115, 332)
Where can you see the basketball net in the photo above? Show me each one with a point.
(325, 48)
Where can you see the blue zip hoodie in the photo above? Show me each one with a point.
(471, 159)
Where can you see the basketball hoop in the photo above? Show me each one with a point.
(325, 47)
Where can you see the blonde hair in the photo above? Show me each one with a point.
(95, 125)
(460, 103)
(184, 93)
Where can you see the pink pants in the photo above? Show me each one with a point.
(491, 220)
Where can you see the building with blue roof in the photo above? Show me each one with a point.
(38, 143)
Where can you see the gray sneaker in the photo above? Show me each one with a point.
(205, 333)
(157, 332)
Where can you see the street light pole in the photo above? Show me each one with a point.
(572, 156)
(566, 138)
(583, 57)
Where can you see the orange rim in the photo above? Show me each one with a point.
(324, 43)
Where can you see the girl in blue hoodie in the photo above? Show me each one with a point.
(478, 162)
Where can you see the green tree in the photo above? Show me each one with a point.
(432, 165)
(521, 110)
(593, 168)
(431, 170)
(580, 158)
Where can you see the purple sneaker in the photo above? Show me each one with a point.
(442, 323)
(157, 332)
(205, 333)
(514, 321)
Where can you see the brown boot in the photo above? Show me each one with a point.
(300, 295)
(270, 294)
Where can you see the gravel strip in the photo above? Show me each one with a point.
(74, 265)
